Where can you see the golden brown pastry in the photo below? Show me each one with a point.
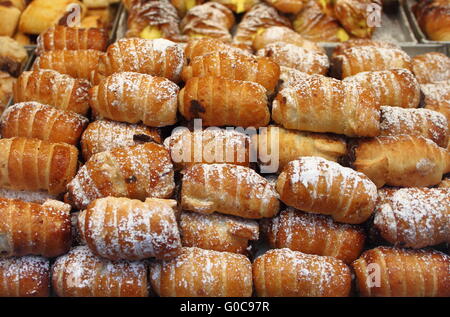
(105, 135)
(9, 17)
(396, 87)
(392, 272)
(431, 67)
(260, 17)
(234, 65)
(293, 56)
(414, 217)
(360, 59)
(137, 172)
(433, 17)
(403, 160)
(133, 97)
(354, 15)
(286, 273)
(323, 104)
(221, 101)
(291, 144)
(209, 146)
(445, 183)
(129, 229)
(314, 234)
(52, 88)
(417, 122)
(32, 164)
(238, 6)
(339, 49)
(228, 189)
(38, 197)
(6, 89)
(182, 6)
(202, 273)
(27, 276)
(77, 64)
(290, 77)
(29, 228)
(437, 95)
(80, 273)
(218, 232)
(208, 20)
(12, 56)
(204, 45)
(287, 6)
(158, 57)
(313, 184)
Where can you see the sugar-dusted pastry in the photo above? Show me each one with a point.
(137, 172)
(52, 88)
(80, 273)
(234, 65)
(393, 272)
(77, 64)
(445, 183)
(105, 135)
(133, 97)
(260, 17)
(38, 196)
(293, 56)
(238, 6)
(27, 276)
(218, 232)
(35, 120)
(414, 217)
(292, 144)
(220, 101)
(403, 160)
(339, 49)
(202, 273)
(287, 273)
(417, 122)
(12, 56)
(32, 164)
(355, 16)
(209, 146)
(29, 228)
(129, 229)
(360, 59)
(228, 189)
(290, 77)
(199, 46)
(323, 104)
(159, 57)
(437, 95)
(314, 234)
(313, 184)
(433, 17)
(431, 67)
(395, 87)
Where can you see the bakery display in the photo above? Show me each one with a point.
(433, 17)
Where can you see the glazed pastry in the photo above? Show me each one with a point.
(228, 189)
(396, 87)
(208, 20)
(52, 88)
(238, 6)
(159, 57)
(414, 217)
(35, 120)
(27, 276)
(9, 17)
(313, 184)
(403, 160)
(431, 67)
(77, 64)
(80, 273)
(137, 172)
(234, 65)
(220, 101)
(146, 229)
(260, 17)
(324, 104)
(202, 273)
(32, 164)
(218, 232)
(293, 56)
(314, 234)
(291, 144)
(208, 146)
(392, 272)
(29, 228)
(286, 273)
(72, 39)
(416, 122)
(339, 49)
(205, 45)
(287, 6)
(356, 60)
(354, 15)
(12, 56)
(132, 97)
(105, 135)
(433, 17)
(283, 34)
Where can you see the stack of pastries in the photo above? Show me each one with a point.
(295, 184)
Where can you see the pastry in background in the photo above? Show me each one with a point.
(238, 6)
(12, 56)
(22, 38)
(6, 89)
(431, 67)
(182, 6)
(433, 17)
(355, 15)
(339, 49)
(9, 18)
(287, 6)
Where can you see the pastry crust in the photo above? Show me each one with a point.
(287, 6)
(431, 67)
(354, 15)
(12, 56)
(204, 45)
(238, 6)
(433, 17)
(339, 49)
